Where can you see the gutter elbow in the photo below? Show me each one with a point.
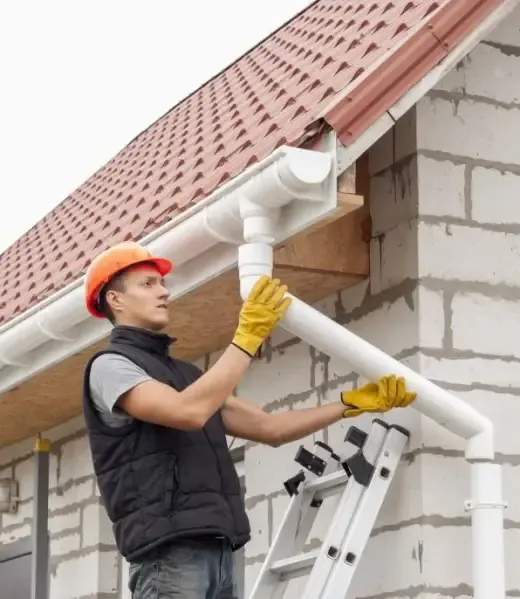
(482, 445)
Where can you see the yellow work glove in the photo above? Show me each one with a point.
(260, 313)
(389, 393)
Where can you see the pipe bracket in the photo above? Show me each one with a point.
(469, 505)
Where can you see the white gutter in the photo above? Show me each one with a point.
(201, 242)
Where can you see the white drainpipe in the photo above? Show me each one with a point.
(255, 258)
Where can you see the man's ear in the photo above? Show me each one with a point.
(114, 300)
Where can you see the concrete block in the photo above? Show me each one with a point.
(390, 564)
(87, 575)
(65, 544)
(66, 430)
(289, 374)
(23, 515)
(353, 297)
(376, 275)
(451, 567)
(468, 128)
(441, 187)
(491, 372)
(481, 255)
(392, 327)
(395, 145)
(96, 527)
(259, 519)
(393, 194)
(381, 154)
(76, 460)
(23, 473)
(480, 322)
(495, 196)
(15, 534)
(507, 33)
(399, 255)
(501, 408)
(493, 73)
(251, 574)
(404, 499)
(58, 523)
(454, 80)
(72, 494)
(432, 318)
(452, 475)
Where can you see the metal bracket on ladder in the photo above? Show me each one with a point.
(363, 480)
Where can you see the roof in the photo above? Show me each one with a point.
(337, 63)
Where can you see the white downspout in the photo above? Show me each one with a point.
(255, 258)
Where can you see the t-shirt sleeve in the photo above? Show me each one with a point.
(111, 376)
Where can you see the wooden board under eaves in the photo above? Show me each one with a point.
(325, 261)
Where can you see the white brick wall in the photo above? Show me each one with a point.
(83, 560)
(443, 297)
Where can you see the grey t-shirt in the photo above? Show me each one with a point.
(111, 376)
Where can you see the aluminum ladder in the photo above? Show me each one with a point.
(363, 481)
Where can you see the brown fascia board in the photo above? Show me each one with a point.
(392, 79)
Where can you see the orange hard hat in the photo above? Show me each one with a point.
(114, 260)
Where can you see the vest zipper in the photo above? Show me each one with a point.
(175, 490)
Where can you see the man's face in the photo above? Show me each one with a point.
(143, 299)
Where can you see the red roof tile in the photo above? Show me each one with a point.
(297, 77)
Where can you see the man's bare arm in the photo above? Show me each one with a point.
(190, 409)
(244, 420)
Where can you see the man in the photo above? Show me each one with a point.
(157, 428)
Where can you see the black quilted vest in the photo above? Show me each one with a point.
(160, 484)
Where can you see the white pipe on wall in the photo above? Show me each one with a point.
(324, 334)
(487, 522)
(255, 259)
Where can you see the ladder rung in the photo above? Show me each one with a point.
(327, 485)
(296, 565)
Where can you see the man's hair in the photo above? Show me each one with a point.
(116, 283)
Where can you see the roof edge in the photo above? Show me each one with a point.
(203, 246)
(433, 42)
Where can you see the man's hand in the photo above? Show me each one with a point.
(389, 393)
(260, 313)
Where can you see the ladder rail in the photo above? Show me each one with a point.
(362, 484)
(295, 527)
(348, 504)
(364, 518)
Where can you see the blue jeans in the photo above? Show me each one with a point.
(187, 569)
